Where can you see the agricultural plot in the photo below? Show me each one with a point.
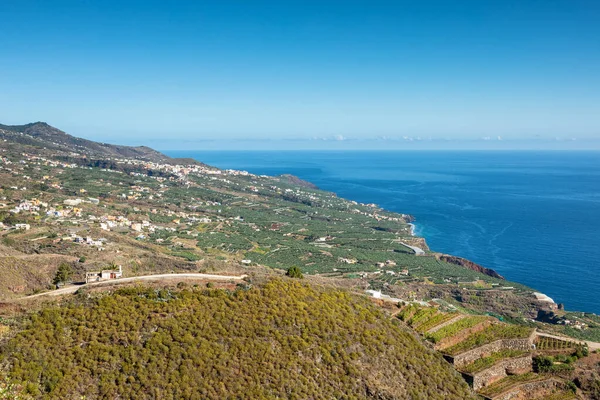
(487, 362)
(490, 334)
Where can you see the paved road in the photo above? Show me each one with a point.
(74, 288)
(591, 345)
(418, 251)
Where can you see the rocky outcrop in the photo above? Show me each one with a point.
(549, 316)
(469, 264)
(408, 218)
(294, 180)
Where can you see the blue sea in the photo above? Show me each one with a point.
(532, 216)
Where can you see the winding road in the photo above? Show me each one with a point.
(74, 288)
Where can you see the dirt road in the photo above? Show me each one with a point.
(74, 288)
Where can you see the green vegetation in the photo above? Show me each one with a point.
(487, 362)
(546, 343)
(422, 318)
(188, 255)
(284, 340)
(434, 321)
(559, 363)
(548, 364)
(456, 328)
(408, 311)
(509, 381)
(592, 332)
(568, 394)
(490, 334)
(423, 314)
(294, 272)
(63, 274)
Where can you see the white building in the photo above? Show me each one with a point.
(104, 275)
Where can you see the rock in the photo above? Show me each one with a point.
(294, 180)
(470, 265)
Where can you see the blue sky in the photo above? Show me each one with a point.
(314, 74)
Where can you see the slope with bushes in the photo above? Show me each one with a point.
(284, 340)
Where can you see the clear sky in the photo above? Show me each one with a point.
(315, 74)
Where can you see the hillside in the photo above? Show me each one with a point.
(42, 135)
(66, 199)
(75, 211)
(283, 340)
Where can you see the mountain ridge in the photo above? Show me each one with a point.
(53, 138)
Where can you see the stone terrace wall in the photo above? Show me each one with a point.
(510, 366)
(469, 356)
(530, 390)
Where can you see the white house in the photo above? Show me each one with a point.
(104, 275)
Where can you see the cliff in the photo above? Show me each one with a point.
(469, 264)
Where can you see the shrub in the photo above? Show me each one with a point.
(283, 340)
(546, 364)
(294, 272)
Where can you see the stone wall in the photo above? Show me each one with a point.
(530, 390)
(510, 366)
(469, 356)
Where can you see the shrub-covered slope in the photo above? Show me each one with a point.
(284, 340)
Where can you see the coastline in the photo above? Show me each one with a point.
(466, 263)
(413, 228)
(414, 231)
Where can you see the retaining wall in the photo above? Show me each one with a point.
(530, 390)
(469, 356)
(510, 366)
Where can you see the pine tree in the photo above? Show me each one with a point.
(63, 274)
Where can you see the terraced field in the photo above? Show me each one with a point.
(456, 328)
(547, 387)
(488, 335)
(489, 350)
(487, 362)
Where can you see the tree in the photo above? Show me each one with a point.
(542, 363)
(294, 272)
(63, 274)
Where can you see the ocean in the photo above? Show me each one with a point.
(534, 217)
